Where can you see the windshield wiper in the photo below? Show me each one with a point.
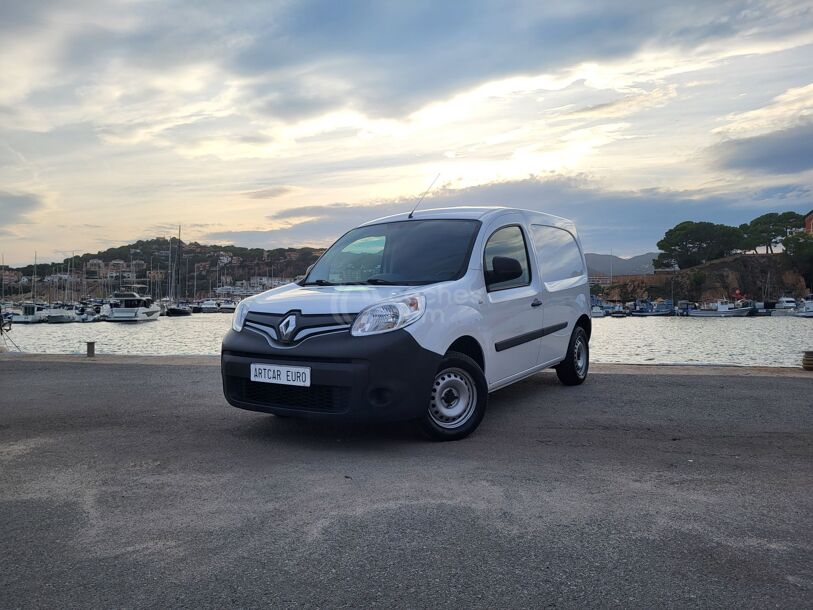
(375, 281)
(319, 283)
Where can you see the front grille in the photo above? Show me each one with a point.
(322, 398)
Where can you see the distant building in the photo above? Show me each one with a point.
(10, 276)
(116, 266)
(809, 223)
(138, 267)
(94, 269)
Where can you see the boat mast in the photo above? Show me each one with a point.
(178, 265)
(169, 271)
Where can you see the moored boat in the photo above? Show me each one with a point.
(227, 306)
(177, 310)
(130, 307)
(646, 309)
(209, 306)
(721, 308)
(30, 313)
(786, 306)
(806, 310)
(618, 311)
(60, 316)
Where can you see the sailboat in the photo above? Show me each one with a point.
(176, 309)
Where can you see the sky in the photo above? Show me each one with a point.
(284, 123)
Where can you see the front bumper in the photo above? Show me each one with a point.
(381, 377)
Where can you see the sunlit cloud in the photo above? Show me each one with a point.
(247, 119)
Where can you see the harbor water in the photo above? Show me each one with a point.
(761, 341)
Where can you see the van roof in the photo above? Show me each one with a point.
(476, 213)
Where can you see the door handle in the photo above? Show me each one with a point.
(536, 303)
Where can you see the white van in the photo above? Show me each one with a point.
(417, 316)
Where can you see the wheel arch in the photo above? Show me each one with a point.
(586, 323)
(469, 346)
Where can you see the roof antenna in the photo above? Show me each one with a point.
(424, 195)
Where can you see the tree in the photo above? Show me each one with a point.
(692, 243)
(770, 229)
(799, 248)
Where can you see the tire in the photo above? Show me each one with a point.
(573, 369)
(458, 400)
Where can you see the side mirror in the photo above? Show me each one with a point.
(505, 269)
(308, 270)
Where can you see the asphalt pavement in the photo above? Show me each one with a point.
(134, 484)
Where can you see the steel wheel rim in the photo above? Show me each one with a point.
(580, 357)
(454, 398)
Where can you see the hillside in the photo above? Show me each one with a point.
(600, 264)
(154, 253)
(757, 276)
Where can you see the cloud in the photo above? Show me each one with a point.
(788, 151)
(15, 208)
(318, 211)
(389, 58)
(202, 112)
(604, 217)
(269, 193)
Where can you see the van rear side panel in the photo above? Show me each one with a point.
(565, 291)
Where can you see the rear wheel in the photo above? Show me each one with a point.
(458, 400)
(573, 369)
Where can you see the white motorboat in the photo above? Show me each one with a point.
(30, 313)
(209, 306)
(597, 312)
(806, 310)
(786, 306)
(130, 307)
(785, 303)
(227, 306)
(720, 309)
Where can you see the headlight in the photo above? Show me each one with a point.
(389, 315)
(239, 317)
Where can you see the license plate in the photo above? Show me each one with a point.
(284, 375)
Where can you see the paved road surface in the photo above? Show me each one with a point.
(134, 485)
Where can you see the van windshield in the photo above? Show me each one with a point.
(405, 253)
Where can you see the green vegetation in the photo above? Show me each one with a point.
(799, 248)
(155, 254)
(769, 230)
(689, 243)
(693, 243)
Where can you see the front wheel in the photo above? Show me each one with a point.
(458, 400)
(573, 369)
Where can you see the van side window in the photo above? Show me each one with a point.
(559, 254)
(507, 245)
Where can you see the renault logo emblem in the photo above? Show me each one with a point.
(287, 327)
